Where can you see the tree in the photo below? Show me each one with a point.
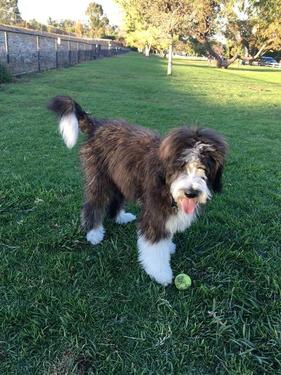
(248, 27)
(98, 22)
(190, 46)
(169, 17)
(225, 29)
(208, 20)
(144, 39)
(69, 26)
(66, 26)
(264, 30)
(79, 29)
(35, 25)
(54, 26)
(9, 12)
(138, 32)
(145, 17)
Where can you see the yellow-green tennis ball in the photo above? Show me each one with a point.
(182, 281)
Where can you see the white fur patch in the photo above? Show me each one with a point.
(124, 217)
(155, 259)
(69, 129)
(96, 235)
(187, 181)
(172, 248)
(179, 222)
(194, 153)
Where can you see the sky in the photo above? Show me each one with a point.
(62, 9)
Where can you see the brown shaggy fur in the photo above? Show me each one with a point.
(127, 162)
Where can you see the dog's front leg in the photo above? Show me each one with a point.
(155, 258)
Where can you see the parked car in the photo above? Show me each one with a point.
(268, 61)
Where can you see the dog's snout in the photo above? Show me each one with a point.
(192, 193)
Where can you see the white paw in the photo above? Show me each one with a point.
(155, 260)
(172, 248)
(162, 275)
(124, 217)
(96, 235)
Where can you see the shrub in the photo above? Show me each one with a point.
(5, 75)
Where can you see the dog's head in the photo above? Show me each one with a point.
(193, 161)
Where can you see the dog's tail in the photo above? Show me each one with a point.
(72, 118)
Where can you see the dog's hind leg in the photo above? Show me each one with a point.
(116, 211)
(98, 191)
(115, 204)
(92, 217)
(124, 217)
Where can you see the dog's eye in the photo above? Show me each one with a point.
(182, 165)
(202, 170)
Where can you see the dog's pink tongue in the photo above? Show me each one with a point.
(188, 205)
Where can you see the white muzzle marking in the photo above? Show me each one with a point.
(188, 181)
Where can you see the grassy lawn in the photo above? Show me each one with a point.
(69, 308)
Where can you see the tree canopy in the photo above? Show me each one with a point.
(98, 22)
(225, 29)
(9, 12)
(98, 25)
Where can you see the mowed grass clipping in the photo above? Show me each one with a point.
(70, 308)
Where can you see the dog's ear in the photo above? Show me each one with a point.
(174, 143)
(216, 157)
(216, 181)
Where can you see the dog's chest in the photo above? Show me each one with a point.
(179, 222)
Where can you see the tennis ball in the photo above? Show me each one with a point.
(182, 281)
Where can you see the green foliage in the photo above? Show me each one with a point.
(98, 22)
(5, 75)
(70, 308)
(97, 27)
(141, 38)
(154, 22)
(267, 28)
(35, 25)
(9, 12)
(190, 46)
(242, 25)
(66, 26)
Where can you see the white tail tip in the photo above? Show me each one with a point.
(69, 129)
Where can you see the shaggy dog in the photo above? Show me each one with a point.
(170, 177)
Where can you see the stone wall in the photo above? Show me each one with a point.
(25, 51)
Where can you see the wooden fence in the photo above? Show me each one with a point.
(25, 51)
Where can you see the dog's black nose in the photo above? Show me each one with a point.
(192, 193)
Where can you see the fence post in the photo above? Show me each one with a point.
(38, 52)
(78, 53)
(109, 48)
(56, 49)
(92, 52)
(69, 53)
(7, 47)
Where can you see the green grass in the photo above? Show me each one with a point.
(5, 75)
(69, 308)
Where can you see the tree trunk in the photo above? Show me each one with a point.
(222, 62)
(265, 47)
(170, 60)
(227, 62)
(147, 50)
